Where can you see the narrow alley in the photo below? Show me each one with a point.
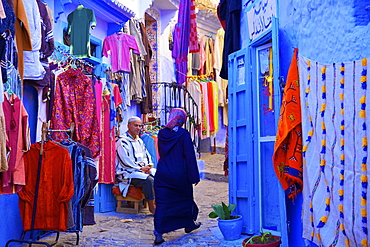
(119, 229)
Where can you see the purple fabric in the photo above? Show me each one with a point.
(181, 39)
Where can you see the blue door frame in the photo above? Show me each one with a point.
(245, 145)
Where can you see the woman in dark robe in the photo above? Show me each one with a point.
(176, 173)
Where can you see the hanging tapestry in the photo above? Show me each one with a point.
(334, 126)
(287, 158)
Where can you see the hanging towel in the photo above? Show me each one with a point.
(287, 157)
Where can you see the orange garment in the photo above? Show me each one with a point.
(22, 33)
(55, 191)
(287, 157)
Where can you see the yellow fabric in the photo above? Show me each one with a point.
(22, 33)
(3, 160)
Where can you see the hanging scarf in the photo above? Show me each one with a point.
(287, 157)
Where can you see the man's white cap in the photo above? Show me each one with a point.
(134, 119)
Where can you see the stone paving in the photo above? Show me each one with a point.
(118, 229)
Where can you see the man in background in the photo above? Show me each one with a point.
(134, 163)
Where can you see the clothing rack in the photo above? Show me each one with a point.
(177, 96)
(60, 54)
(45, 132)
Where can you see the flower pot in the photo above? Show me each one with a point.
(275, 242)
(231, 229)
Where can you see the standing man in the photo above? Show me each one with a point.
(134, 163)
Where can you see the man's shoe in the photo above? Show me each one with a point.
(158, 239)
(190, 229)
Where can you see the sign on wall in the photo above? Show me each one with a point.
(260, 17)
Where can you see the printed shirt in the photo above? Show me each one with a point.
(74, 102)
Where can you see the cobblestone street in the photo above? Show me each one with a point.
(119, 229)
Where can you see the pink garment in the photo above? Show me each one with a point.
(98, 98)
(211, 109)
(107, 164)
(202, 56)
(2, 12)
(206, 117)
(119, 45)
(18, 134)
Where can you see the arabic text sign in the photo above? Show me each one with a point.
(260, 17)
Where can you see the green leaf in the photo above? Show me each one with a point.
(222, 211)
(226, 211)
(231, 207)
(219, 211)
(212, 215)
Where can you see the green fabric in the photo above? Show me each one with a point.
(79, 29)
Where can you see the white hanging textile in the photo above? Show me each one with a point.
(335, 152)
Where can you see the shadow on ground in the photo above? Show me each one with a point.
(214, 177)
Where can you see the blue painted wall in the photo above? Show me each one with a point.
(324, 31)
(10, 223)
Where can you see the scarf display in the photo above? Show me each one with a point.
(287, 157)
(335, 152)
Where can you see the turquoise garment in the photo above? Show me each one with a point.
(150, 146)
(79, 23)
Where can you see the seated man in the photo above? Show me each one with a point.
(134, 163)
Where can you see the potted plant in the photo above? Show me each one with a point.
(266, 239)
(230, 225)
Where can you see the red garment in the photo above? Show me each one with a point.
(55, 190)
(211, 102)
(18, 134)
(107, 164)
(193, 40)
(287, 157)
(74, 102)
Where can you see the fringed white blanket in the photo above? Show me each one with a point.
(335, 151)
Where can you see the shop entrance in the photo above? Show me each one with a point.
(254, 98)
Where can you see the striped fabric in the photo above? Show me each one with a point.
(185, 34)
(335, 152)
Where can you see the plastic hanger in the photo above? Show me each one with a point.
(8, 88)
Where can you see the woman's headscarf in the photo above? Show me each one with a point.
(177, 117)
